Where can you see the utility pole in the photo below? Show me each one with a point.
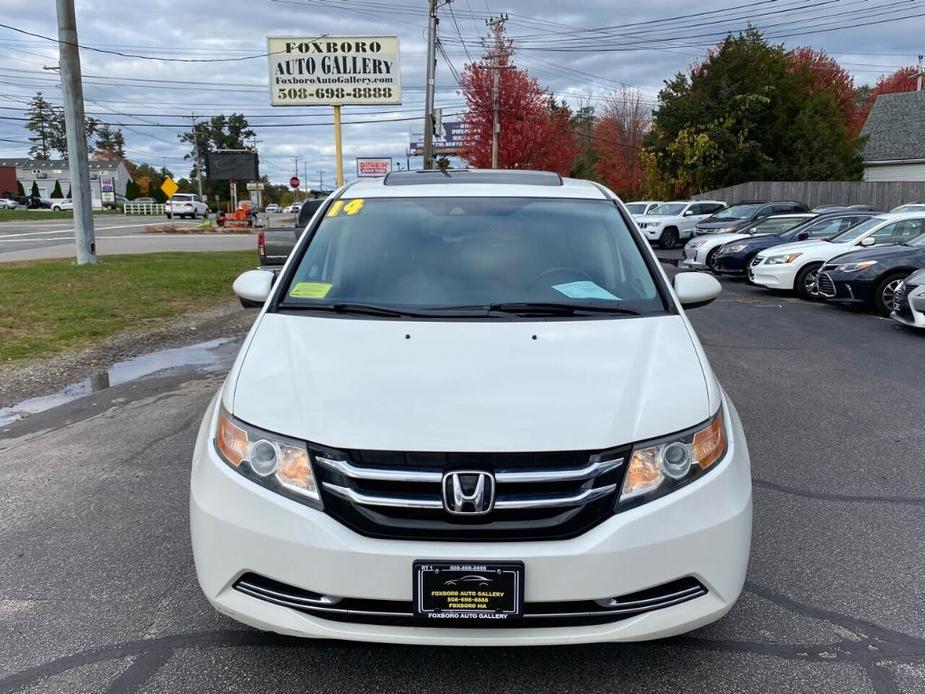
(305, 177)
(198, 156)
(74, 121)
(429, 86)
(919, 75)
(498, 53)
(321, 179)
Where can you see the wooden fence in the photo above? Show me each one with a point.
(883, 195)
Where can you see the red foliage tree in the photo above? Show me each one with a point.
(618, 136)
(826, 73)
(535, 133)
(903, 80)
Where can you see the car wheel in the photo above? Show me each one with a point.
(805, 283)
(669, 239)
(886, 290)
(711, 258)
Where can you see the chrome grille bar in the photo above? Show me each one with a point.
(365, 473)
(592, 470)
(378, 500)
(585, 497)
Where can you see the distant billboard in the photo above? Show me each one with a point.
(232, 166)
(334, 70)
(450, 141)
(368, 166)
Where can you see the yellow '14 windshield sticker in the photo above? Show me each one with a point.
(310, 290)
(348, 207)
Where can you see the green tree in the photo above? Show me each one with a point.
(19, 189)
(40, 122)
(110, 144)
(583, 123)
(131, 190)
(56, 193)
(35, 189)
(750, 111)
(219, 132)
(68, 196)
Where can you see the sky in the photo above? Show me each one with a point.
(578, 51)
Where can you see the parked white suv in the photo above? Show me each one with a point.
(186, 205)
(794, 266)
(472, 411)
(641, 207)
(670, 222)
(62, 204)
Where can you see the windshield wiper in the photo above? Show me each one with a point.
(550, 308)
(349, 307)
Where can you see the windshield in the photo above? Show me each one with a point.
(777, 225)
(857, 232)
(455, 254)
(636, 207)
(737, 212)
(670, 209)
(182, 198)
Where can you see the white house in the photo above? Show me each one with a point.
(107, 178)
(895, 149)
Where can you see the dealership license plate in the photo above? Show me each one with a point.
(455, 591)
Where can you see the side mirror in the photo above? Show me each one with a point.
(696, 289)
(802, 236)
(868, 241)
(253, 287)
(753, 230)
(688, 213)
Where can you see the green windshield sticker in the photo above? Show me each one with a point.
(584, 290)
(310, 290)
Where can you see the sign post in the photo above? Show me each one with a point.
(334, 71)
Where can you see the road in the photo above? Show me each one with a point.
(115, 234)
(97, 590)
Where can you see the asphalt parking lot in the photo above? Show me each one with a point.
(98, 593)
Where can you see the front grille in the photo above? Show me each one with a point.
(825, 285)
(901, 300)
(536, 614)
(400, 495)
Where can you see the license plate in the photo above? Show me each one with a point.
(454, 591)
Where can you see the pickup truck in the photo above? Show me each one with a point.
(275, 244)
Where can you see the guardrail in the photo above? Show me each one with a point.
(144, 208)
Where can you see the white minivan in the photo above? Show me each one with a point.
(472, 411)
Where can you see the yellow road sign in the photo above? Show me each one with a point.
(169, 187)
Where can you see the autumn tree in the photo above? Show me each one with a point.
(826, 74)
(535, 133)
(619, 132)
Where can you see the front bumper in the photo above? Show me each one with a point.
(730, 264)
(839, 288)
(702, 531)
(773, 276)
(694, 259)
(913, 310)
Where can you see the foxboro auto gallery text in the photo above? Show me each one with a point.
(337, 58)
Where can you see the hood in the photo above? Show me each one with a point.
(807, 247)
(719, 239)
(650, 218)
(881, 253)
(472, 386)
(707, 224)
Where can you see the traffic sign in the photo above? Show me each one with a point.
(294, 182)
(169, 187)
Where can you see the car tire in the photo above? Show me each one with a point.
(804, 284)
(883, 294)
(711, 258)
(669, 239)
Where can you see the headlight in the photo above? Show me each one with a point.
(659, 467)
(696, 244)
(276, 462)
(725, 230)
(782, 259)
(855, 267)
(734, 248)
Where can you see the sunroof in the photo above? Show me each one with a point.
(486, 177)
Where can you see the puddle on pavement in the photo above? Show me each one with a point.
(213, 355)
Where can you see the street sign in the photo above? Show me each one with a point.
(169, 187)
(255, 186)
(294, 182)
(373, 167)
(334, 70)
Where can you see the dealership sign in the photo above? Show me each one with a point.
(449, 141)
(373, 167)
(334, 70)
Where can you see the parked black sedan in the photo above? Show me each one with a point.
(871, 276)
(743, 215)
(734, 257)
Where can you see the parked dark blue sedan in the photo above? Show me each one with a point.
(734, 257)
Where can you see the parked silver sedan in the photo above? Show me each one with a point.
(909, 301)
